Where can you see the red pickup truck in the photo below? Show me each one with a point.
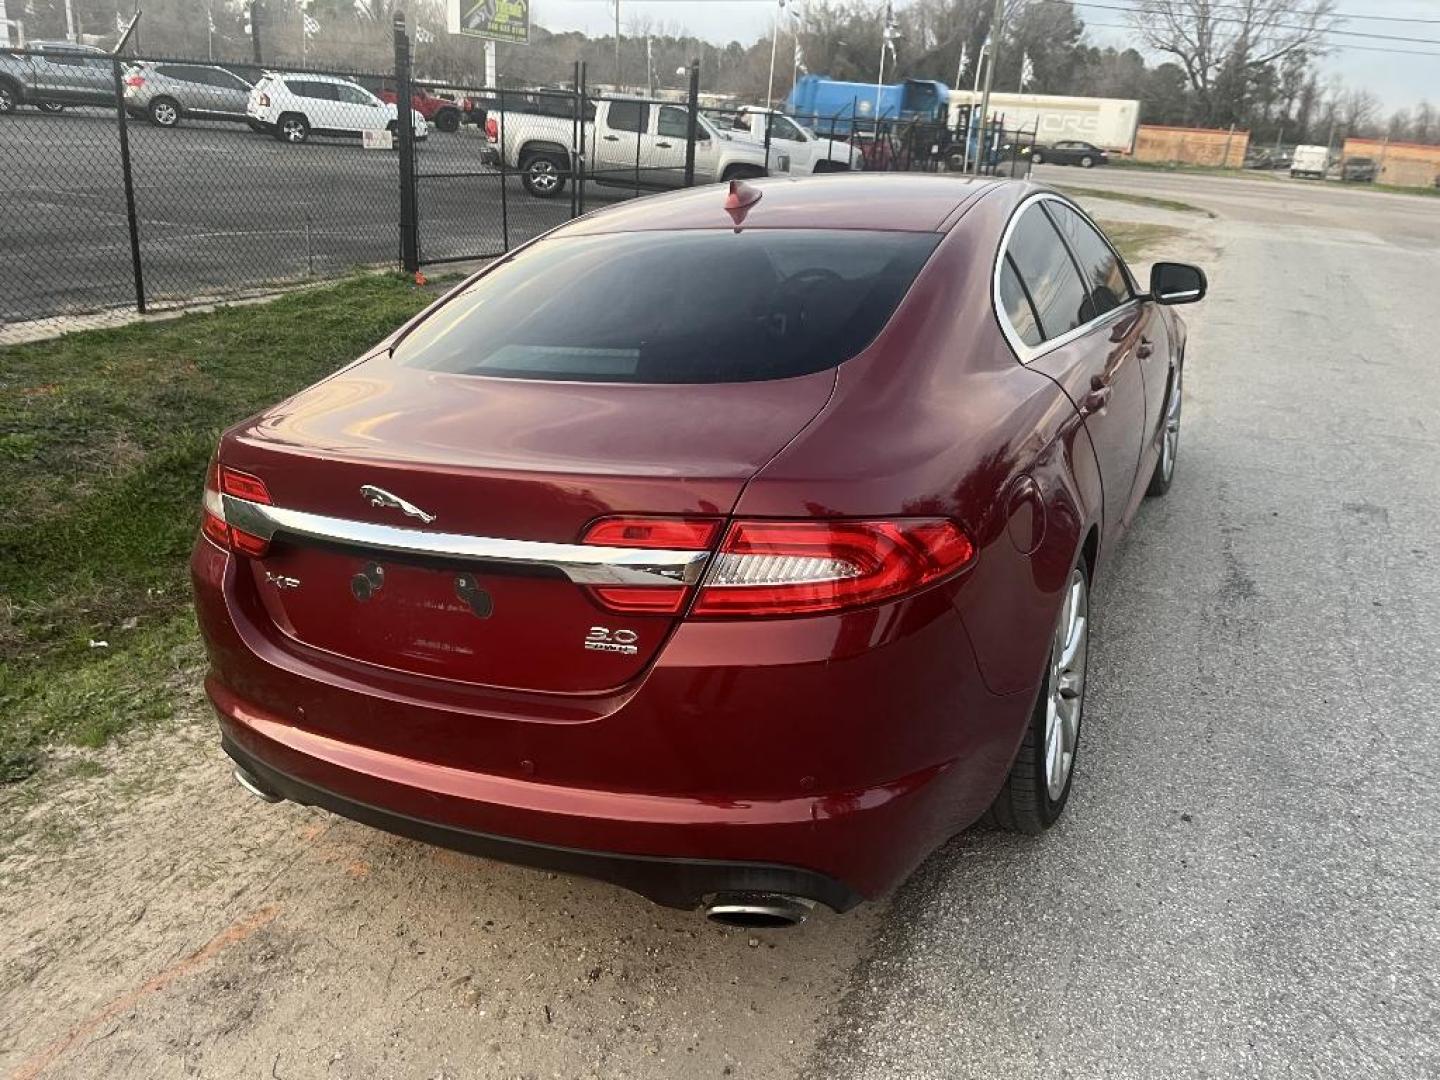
(442, 112)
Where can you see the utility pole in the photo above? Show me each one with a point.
(997, 24)
(256, 10)
(617, 44)
(69, 21)
(774, 40)
(4, 27)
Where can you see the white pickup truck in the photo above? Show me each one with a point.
(809, 153)
(629, 143)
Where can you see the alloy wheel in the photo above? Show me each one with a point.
(544, 177)
(293, 130)
(164, 113)
(1066, 686)
(1170, 445)
(7, 100)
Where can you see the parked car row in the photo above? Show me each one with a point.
(290, 106)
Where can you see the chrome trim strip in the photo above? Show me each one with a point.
(1026, 353)
(581, 563)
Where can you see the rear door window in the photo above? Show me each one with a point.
(674, 122)
(701, 306)
(627, 116)
(1044, 266)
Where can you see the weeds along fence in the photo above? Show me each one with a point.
(135, 183)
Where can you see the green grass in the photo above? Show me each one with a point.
(1137, 200)
(104, 437)
(1134, 238)
(1175, 166)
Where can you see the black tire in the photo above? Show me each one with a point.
(447, 120)
(1164, 474)
(292, 128)
(1087, 162)
(163, 112)
(50, 107)
(9, 97)
(543, 175)
(1025, 803)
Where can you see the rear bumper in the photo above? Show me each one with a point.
(672, 881)
(825, 758)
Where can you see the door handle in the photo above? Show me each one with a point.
(664, 145)
(1098, 397)
(611, 138)
(1146, 349)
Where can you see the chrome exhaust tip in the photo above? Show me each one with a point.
(255, 787)
(758, 911)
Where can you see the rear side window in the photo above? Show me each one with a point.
(1106, 285)
(1048, 273)
(627, 115)
(699, 306)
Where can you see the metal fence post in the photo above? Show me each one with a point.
(504, 175)
(577, 122)
(769, 117)
(692, 122)
(409, 224)
(125, 172)
(582, 165)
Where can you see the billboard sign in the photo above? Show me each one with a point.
(497, 20)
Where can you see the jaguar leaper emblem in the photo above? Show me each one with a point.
(378, 496)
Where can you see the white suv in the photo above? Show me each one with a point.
(294, 106)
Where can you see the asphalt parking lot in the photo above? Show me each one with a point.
(223, 210)
(1244, 884)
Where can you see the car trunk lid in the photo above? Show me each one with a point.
(415, 466)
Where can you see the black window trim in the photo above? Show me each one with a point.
(1028, 353)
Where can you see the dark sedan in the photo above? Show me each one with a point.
(1070, 152)
(733, 546)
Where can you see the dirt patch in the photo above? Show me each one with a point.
(155, 920)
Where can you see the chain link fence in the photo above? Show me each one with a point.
(144, 183)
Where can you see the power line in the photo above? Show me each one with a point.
(1342, 48)
(1344, 16)
(1275, 26)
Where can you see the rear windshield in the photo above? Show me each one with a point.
(674, 307)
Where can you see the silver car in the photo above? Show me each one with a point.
(166, 92)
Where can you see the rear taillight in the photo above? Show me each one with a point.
(772, 568)
(492, 129)
(264, 101)
(654, 533)
(778, 568)
(212, 514)
(135, 81)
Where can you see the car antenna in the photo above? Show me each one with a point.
(739, 199)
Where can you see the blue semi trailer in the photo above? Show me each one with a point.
(831, 107)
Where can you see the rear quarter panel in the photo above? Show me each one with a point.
(938, 417)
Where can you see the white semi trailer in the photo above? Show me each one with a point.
(1109, 123)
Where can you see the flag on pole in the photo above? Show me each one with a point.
(423, 36)
(311, 26)
(1027, 71)
(892, 29)
(800, 58)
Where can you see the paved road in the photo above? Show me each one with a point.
(1245, 885)
(222, 209)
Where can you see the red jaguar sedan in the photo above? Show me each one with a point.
(732, 546)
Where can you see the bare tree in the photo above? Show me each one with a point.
(1220, 45)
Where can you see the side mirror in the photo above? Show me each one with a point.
(1177, 283)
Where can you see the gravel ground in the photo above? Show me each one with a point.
(1244, 884)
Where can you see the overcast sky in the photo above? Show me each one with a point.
(1396, 79)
